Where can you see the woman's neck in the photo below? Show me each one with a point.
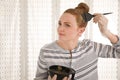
(67, 45)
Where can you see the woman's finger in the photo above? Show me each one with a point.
(49, 78)
(65, 78)
(54, 77)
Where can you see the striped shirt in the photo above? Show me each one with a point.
(84, 58)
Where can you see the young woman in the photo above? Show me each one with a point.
(84, 53)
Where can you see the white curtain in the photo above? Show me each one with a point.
(26, 25)
(9, 40)
(118, 61)
(39, 31)
(107, 67)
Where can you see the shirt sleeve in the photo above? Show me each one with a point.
(108, 51)
(41, 73)
(118, 43)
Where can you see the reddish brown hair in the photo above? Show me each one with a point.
(77, 12)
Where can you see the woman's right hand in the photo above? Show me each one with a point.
(102, 23)
(55, 77)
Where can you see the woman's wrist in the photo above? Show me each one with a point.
(112, 37)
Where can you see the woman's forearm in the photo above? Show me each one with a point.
(112, 37)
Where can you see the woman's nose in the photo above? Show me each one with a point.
(61, 28)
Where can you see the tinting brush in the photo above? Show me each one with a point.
(87, 16)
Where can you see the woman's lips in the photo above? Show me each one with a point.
(61, 34)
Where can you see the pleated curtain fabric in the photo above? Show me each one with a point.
(9, 40)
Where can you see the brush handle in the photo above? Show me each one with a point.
(107, 13)
(104, 14)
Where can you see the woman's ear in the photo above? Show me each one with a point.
(81, 30)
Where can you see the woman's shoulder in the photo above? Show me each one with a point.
(51, 45)
(86, 41)
(89, 42)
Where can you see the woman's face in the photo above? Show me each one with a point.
(68, 28)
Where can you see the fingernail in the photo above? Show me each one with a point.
(55, 76)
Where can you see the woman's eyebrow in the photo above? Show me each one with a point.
(64, 22)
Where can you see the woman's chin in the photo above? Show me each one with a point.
(61, 38)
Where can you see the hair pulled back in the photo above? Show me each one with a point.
(83, 8)
(77, 12)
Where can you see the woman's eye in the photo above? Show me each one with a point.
(59, 24)
(67, 25)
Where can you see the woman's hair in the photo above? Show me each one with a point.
(78, 12)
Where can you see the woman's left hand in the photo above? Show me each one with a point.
(102, 23)
(55, 77)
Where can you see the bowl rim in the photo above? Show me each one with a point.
(71, 70)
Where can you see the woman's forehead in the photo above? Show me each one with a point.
(67, 17)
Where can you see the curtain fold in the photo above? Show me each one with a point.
(23, 40)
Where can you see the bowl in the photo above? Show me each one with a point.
(61, 72)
